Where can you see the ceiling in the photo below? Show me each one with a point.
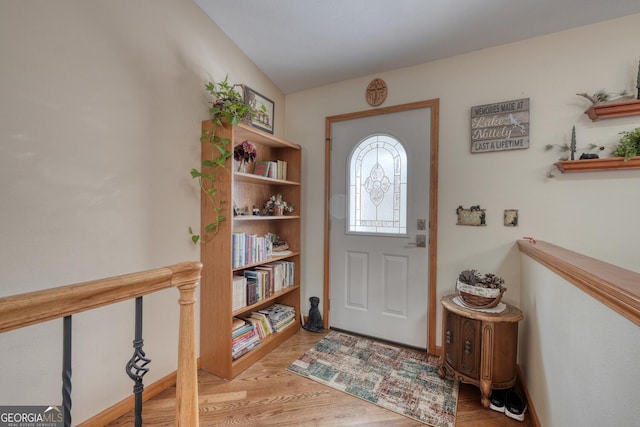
(301, 44)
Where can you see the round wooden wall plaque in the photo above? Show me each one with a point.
(376, 92)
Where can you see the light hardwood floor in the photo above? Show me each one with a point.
(267, 395)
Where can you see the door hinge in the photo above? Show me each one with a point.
(329, 304)
(330, 141)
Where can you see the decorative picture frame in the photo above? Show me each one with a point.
(264, 107)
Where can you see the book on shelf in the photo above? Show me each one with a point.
(246, 334)
(262, 323)
(282, 170)
(249, 249)
(261, 168)
(239, 298)
(260, 276)
(277, 169)
(280, 275)
(252, 292)
(237, 323)
(269, 277)
(241, 352)
(242, 331)
(280, 316)
(259, 327)
(244, 338)
(253, 285)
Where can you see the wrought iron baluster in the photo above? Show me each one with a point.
(66, 371)
(136, 367)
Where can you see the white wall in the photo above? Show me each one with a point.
(579, 357)
(587, 212)
(99, 127)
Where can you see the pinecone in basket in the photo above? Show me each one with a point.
(492, 281)
(470, 277)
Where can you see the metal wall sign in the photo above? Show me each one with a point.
(501, 126)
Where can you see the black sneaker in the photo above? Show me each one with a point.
(497, 400)
(515, 405)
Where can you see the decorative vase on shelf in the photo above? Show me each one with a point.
(242, 166)
(278, 210)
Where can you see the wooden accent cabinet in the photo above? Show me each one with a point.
(479, 348)
(216, 292)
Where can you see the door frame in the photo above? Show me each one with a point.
(433, 204)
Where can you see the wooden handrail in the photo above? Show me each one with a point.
(614, 286)
(22, 310)
(27, 309)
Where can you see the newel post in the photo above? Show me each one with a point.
(187, 374)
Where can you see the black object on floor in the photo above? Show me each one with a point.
(314, 321)
(515, 405)
(497, 400)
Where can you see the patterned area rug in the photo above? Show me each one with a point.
(403, 381)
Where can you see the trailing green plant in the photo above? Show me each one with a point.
(228, 105)
(629, 144)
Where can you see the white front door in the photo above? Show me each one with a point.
(379, 279)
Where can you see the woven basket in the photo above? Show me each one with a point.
(489, 299)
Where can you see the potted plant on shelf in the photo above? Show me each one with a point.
(277, 206)
(227, 105)
(480, 291)
(629, 144)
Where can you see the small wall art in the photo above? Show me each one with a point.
(472, 216)
(264, 108)
(510, 217)
(501, 126)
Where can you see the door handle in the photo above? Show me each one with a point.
(421, 241)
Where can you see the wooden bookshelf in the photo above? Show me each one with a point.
(246, 189)
(594, 165)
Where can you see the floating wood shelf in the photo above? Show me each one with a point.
(592, 165)
(611, 110)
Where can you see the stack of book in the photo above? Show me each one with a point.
(279, 275)
(280, 316)
(276, 169)
(261, 324)
(244, 337)
(252, 286)
(249, 249)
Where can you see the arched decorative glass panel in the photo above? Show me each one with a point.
(377, 187)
